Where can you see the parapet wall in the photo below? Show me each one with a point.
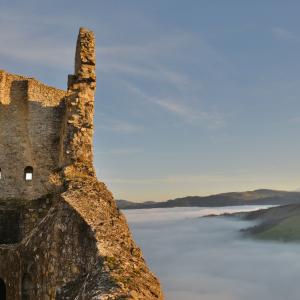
(30, 125)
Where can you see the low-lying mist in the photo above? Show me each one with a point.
(208, 258)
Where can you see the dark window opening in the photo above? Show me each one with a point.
(28, 173)
(2, 289)
(9, 226)
(0, 174)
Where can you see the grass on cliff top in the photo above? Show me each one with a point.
(287, 230)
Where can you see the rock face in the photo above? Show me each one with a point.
(61, 234)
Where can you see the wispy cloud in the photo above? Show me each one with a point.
(120, 151)
(162, 66)
(182, 110)
(294, 120)
(154, 71)
(284, 34)
(119, 126)
(26, 38)
(163, 58)
(145, 60)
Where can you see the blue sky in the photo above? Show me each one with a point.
(193, 97)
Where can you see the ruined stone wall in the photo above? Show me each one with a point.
(69, 240)
(59, 250)
(46, 128)
(10, 271)
(18, 217)
(77, 141)
(30, 123)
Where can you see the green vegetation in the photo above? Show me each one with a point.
(286, 230)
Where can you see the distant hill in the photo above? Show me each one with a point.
(257, 197)
(281, 223)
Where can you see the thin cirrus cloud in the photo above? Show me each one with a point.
(283, 34)
(40, 50)
(162, 63)
(147, 59)
(121, 151)
(165, 58)
(118, 126)
(130, 68)
(181, 109)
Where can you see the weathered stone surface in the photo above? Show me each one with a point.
(30, 122)
(61, 234)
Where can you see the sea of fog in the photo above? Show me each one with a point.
(208, 258)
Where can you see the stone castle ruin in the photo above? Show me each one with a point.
(61, 234)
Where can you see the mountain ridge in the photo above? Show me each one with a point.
(255, 197)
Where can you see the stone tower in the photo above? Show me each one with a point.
(61, 234)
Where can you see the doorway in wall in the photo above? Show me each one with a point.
(2, 290)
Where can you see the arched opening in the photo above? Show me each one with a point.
(2, 289)
(28, 173)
